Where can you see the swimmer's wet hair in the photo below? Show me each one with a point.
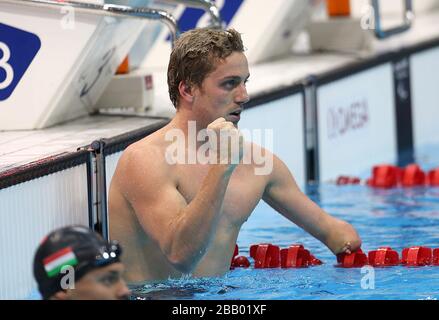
(196, 54)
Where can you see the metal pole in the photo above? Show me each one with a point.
(206, 5)
(408, 17)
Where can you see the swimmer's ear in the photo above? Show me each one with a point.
(186, 92)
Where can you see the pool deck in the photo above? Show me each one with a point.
(19, 148)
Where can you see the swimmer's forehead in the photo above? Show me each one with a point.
(235, 65)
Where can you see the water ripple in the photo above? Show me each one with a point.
(398, 218)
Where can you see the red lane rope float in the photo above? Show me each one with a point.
(383, 257)
(433, 178)
(345, 180)
(436, 257)
(296, 256)
(416, 256)
(239, 261)
(355, 259)
(385, 176)
(266, 255)
(413, 176)
(389, 176)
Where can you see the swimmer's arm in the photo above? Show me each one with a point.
(182, 230)
(283, 194)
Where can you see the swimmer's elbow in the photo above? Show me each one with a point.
(178, 257)
(180, 262)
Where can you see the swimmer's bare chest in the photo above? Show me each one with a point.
(244, 191)
(242, 195)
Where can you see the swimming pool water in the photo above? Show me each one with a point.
(397, 218)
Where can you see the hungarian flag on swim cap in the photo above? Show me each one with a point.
(56, 261)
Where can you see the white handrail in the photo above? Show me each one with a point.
(109, 10)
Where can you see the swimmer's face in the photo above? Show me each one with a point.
(104, 283)
(223, 92)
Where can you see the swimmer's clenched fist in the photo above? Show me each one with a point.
(229, 142)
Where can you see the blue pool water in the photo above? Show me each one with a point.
(398, 218)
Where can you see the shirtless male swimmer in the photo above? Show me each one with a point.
(181, 218)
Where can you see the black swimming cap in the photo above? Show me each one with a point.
(75, 246)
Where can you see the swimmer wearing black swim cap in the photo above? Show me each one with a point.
(75, 263)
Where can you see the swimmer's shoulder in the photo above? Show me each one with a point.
(257, 150)
(144, 158)
(142, 153)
